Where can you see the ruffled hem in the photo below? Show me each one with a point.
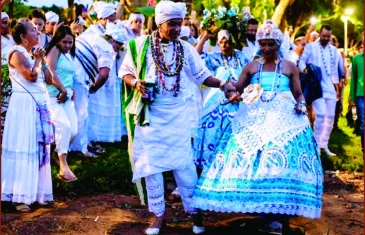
(243, 207)
(41, 198)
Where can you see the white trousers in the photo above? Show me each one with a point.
(185, 179)
(324, 111)
(64, 119)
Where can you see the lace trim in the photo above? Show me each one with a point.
(187, 199)
(156, 199)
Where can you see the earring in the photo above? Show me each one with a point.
(262, 60)
(277, 61)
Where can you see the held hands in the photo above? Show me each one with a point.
(231, 93)
(39, 53)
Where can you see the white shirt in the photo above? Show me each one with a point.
(251, 49)
(6, 45)
(293, 57)
(328, 62)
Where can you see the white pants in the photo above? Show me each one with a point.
(185, 179)
(64, 119)
(324, 111)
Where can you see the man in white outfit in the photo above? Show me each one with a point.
(252, 45)
(325, 56)
(7, 41)
(294, 55)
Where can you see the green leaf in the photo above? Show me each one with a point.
(147, 11)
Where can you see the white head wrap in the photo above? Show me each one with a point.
(4, 15)
(117, 31)
(103, 9)
(269, 30)
(223, 34)
(185, 31)
(52, 17)
(136, 16)
(168, 10)
(81, 20)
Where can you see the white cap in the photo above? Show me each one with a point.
(103, 9)
(136, 16)
(168, 10)
(117, 31)
(4, 15)
(223, 34)
(52, 17)
(185, 31)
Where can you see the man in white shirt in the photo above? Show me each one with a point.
(252, 45)
(7, 41)
(295, 54)
(322, 54)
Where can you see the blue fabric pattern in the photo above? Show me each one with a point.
(267, 161)
(216, 116)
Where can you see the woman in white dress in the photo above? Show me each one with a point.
(25, 168)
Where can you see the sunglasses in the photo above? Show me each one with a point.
(270, 44)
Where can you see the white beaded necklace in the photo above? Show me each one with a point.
(329, 70)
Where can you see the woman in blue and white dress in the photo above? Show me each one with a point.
(217, 113)
(267, 161)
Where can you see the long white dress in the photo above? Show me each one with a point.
(22, 178)
(106, 123)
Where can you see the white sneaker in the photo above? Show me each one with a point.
(328, 152)
(153, 231)
(198, 230)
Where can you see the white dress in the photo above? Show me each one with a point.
(22, 178)
(106, 123)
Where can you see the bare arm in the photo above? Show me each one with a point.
(22, 65)
(200, 45)
(103, 77)
(52, 59)
(308, 34)
(48, 75)
(295, 82)
(4, 3)
(119, 9)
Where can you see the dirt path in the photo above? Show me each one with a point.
(343, 213)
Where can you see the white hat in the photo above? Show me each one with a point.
(168, 10)
(117, 31)
(103, 9)
(52, 17)
(185, 31)
(223, 34)
(4, 15)
(136, 16)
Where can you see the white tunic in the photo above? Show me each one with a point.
(251, 49)
(166, 143)
(328, 62)
(6, 45)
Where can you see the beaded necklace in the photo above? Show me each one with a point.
(278, 68)
(227, 67)
(164, 69)
(328, 71)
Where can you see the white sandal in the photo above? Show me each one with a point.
(198, 230)
(153, 231)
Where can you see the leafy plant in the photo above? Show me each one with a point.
(5, 93)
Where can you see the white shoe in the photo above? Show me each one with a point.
(153, 231)
(328, 152)
(198, 230)
(176, 192)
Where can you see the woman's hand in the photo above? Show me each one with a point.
(39, 53)
(141, 87)
(62, 97)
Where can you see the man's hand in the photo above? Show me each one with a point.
(141, 88)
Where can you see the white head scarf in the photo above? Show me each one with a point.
(223, 34)
(52, 17)
(167, 10)
(81, 20)
(117, 31)
(136, 16)
(103, 9)
(185, 31)
(4, 15)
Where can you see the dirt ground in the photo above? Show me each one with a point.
(343, 213)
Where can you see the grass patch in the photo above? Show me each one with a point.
(109, 173)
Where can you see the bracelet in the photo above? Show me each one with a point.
(221, 84)
(301, 108)
(45, 66)
(134, 82)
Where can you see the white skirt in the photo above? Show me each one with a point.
(165, 144)
(22, 181)
(106, 122)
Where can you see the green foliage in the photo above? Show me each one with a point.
(109, 173)
(147, 11)
(5, 92)
(20, 9)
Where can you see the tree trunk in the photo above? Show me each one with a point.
(11, 10)
(71, 10)
(280, 11)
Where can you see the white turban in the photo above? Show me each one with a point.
(81, 21)
(223, 34)
(4, 15)
(167, 10)
(117, 31)
(136, 16)
(103, 9)
(185, 31)
(52, 17)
